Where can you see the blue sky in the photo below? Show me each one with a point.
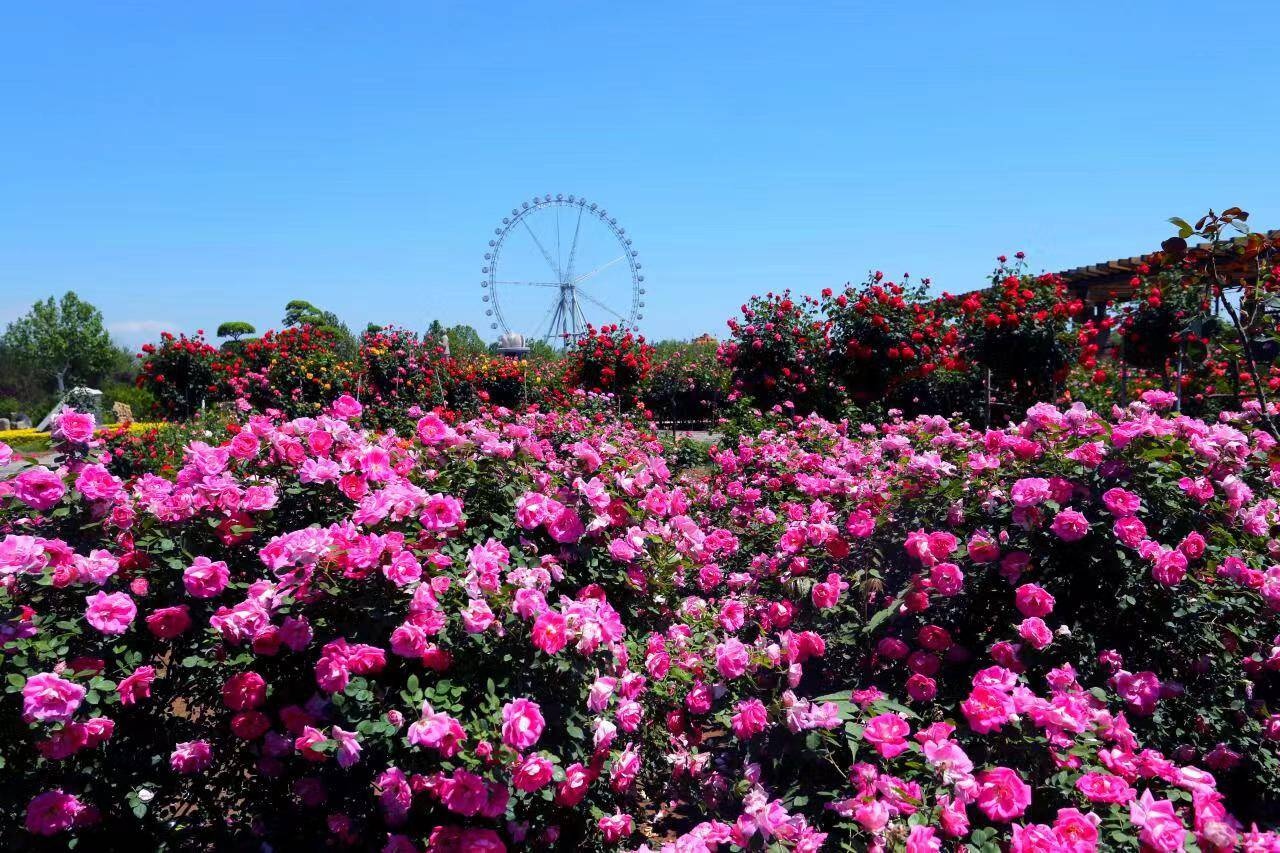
(184, 164)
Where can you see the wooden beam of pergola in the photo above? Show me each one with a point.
(1112, 280)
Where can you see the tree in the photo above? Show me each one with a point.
(63, 340)
(540, 350)
(235, 329)
(300, 312)
(464, 340)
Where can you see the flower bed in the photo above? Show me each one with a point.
(524, 631)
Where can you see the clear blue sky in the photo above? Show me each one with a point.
(180, 164)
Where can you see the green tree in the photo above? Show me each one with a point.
(464, 340)
(235, 329)
(540, 350)
(300, 312)
(62, 340)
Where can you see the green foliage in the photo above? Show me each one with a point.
(236, 329)
(139, 400)
(300, 312)
(62, 341)
(465, 341)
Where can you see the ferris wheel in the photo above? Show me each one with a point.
(557, 264)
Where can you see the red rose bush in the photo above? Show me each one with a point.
(525, 631)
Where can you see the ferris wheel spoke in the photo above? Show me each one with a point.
(545, 320)
(598, 303)
(545, 254)
(559, 257)
(573, 248)
(598, 269)
(530, 283)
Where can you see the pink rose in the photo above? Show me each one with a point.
(522, 724)
(888, 734)
(1140, 691)
(625, 769)
(349, 748)
(1121, 503)
(533, 773)
(38, 487)
(1002, 795)
(48, 698)
(982, 548)
(921, 688)
(731, 658)
(566, 526)
(74, 427)
(244, 691)
(52, 812)
(947, 579)
(935, 638)
(532, 509)
(477, 617)
(332, 674)
(403, 570)
(923, 839)
(441, 512)
(111, 613)
(347, 407)
(750, 719)
(136, 686)
(437, 730)
(1034, 838)
(550, 632)
(1035, 632)
(826, 593)
(169, 622)
(432, 430)
(97, 483)
(1076, 829)
(860, 524)
(615, 827)
(1070, 525)
(987, 709)
(1130, 530)
(306, 744)
(480, 841)
(1029, 491)
(191, 757)
(892, 648)
(698, 699)
(1193, 546)
(205, 578)
(1169, 567)
(1033, 600)
(576, 784)
(1159, 824)
(244, 445)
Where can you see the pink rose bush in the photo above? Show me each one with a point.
(535, 631)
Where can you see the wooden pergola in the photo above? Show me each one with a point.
(1111, 281)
